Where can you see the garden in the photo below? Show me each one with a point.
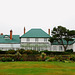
(32, 55)
(31, 62)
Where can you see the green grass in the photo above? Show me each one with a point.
(37, 68)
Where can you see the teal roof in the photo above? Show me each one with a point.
(35, 33)
(6, 39)
(64, 41)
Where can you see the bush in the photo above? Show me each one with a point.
(2, 52)
(46, 51)
(39, 59)
(21, 59)
(27, 52)
(11, 52)
(21, 51)
(18, 56)
(9, 59)
(59, 58)
(35, 52)
(3, 59)
(47, 58)
(69, 50)
(53, 53)
(72, 57)
(43, 56)
(51, 59)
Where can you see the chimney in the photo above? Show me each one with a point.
(24, 30)
(49, 31)
(10, 34)
(1, 33)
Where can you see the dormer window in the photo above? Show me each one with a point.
(6, 37)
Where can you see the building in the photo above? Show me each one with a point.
(9, 41)
(55, 46)
(35, 39)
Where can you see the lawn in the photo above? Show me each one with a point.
(37, 68)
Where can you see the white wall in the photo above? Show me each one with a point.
(33, 40)
(9, 46)
(24, 41)
(56, 47)
(74, 47)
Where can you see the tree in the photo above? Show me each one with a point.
(61, 34)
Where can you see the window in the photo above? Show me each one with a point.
(60, 47)
(28, 39)
(36, 39)
(6, 37)
(45, 39)
(54, 47)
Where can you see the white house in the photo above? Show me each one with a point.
(9, 41)
(55, 46)
(35, 39)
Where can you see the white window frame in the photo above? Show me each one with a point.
(60, 48)
(45, 39)
(36, 39)
(55, 48)
(28, 39)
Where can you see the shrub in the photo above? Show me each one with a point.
(17, 56)
(39, 59)
(47, 58)
(69, 50)
(2, 52)
(43, 56)
(46, 51)
(21, 51)
(11, 52)
(9, 59)
(3, 59)
(21, 59)
(35, 52)
(72, 57)
(52, 59)
(59, 58)
(27, 52)
(53, 53)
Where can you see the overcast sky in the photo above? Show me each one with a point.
(44, 14)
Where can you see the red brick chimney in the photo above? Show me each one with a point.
(10, 34)
(24, 30)
(1, 33)
(49, 31)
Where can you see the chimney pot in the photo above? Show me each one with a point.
(24, 30)
(1, 33)
(49, 31)
(10, 34)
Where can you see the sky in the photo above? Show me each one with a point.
(44, 14)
